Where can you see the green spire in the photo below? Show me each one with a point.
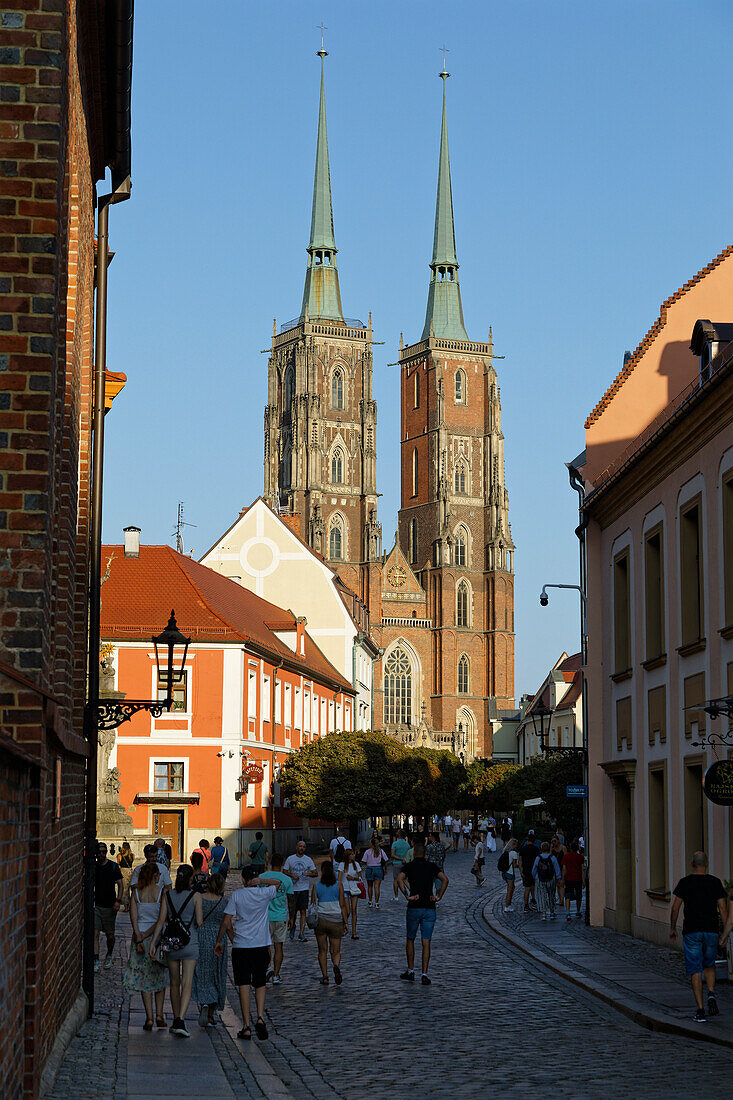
(444, 315)
(322, 295)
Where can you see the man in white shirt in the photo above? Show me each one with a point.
(447, 822)
(333, 846)
(151, 856)
(301, 868)
(246, 922)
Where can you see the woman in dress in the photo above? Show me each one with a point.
(200, 880)
(125, 860)
(333, 920)
(143, 974)
(374, 860)
(185, 904)
(210, 976)
(349, 875)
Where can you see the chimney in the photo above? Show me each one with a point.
(132, 542)
(300, 624)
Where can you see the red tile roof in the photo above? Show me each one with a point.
(138, 594)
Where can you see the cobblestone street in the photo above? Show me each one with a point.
(491, 1019)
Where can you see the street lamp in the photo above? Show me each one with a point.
(542, 711)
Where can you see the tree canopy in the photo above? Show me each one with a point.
(483, 777)
(545, 777)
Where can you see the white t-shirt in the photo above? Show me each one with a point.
(349, 884)
(466, 830)
(249, 909)
(456, 826)
(479, 851)
(299, 865)
(339, 840)
(448, 820)
(513, 860)
(164, 875)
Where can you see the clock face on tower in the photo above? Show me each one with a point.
(397, 576)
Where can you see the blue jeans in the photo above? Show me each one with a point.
(424, 919)
(700, 950)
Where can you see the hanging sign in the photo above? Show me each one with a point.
(718, 783)
(576, 790)
(255, 773)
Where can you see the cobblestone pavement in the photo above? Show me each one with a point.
(491, 1019)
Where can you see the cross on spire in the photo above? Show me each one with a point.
(445, 50)
(323, 52)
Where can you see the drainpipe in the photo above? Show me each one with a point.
(275, 669)
(576, 482)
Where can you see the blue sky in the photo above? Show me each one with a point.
(591, 168)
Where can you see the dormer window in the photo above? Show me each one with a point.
(708, 340)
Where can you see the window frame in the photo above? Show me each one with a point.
(692, 604)
(180, 685)
(337, 388)
(170, 787)
(463, 678)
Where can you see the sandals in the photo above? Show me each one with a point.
(148, 1025)
(261, 1028)
(323, 981)
(245, 1033)
(160, 1021)
(354, 936)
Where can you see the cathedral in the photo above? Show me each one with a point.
(440, 601)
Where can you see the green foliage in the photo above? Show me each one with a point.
(483, 777)
(546, 777)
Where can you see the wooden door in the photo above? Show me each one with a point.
(169, 823)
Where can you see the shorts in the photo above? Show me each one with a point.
(330, 926)
(573, 891)
(104, 920)
(278, 928)
(527, 880)
(249, 965)
(374, 874)
(397, 867)
(297, 902)
(701, 949)
(508, 876)
(424, 919)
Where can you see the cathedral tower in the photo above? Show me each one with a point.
(454, 523)
(321, 416)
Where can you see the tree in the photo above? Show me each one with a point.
(483, 778)
(545, 777)
(447, 776)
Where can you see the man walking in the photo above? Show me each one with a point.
(398, 852)
(572, 876)
(277, 915)
(338, 840)
(300, 868)
(528, 853)
(151, 856)
(247, 925)
(416, 881)
(258, 854)
(107, 902)
(703, 897)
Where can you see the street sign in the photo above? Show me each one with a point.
(255, 773)
(576, 790)
(718, 782)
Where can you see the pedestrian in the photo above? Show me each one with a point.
(277, 916)
(258, 852)
(219, 862)
(144, 975)
(333, 920)
(161, 854)
(349, 875)
(374, 860)
(107, 903)
(398, 851)
(151, 853)
(300, 867)
(180, 910)
(527, 855)
(200, 880)
(205, 851)
(508, 865)
(246, 922)
(338, 841)
(447, 822)
(557, 847)
(210, 976)
(125, 860)
(456, 829)
(417, 882)
(560, 834)
(573, 866)
(478, 860)
(435, 853)
(490, 844)
(546, 872)
(505, 831)
(467, 837)
(704, 898)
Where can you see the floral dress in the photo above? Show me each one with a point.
(143, 975)
(210, 976)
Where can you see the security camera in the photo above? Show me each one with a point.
(544, 599)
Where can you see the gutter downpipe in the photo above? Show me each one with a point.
(576, 482)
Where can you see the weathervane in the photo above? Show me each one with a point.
(323, 52)
(445, 72)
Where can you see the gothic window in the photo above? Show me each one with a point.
(337, 467)
(412, 541)
(398, 689)
(460, 387)
(336, 538)
(287, 465)
(462, 604)
(414, 471)
(459, 476)
(289, 386)
(463, 675)
(460, 546)
(337, 389)
(417, 390)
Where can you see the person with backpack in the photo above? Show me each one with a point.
(181, 914)
(508, 865)
(349, 875)
(219, 864)
(338, 841)
(258, 854)
(527, 855)
(546, 873)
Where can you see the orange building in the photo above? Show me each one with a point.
(255, 687)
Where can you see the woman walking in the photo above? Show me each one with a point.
(333, 920)
(546, 872)
(349, 876)
(125, 860)
(182, 905)
(508, 864)
(558, 850)
(374, 861)
(210, 976)
(143, 974)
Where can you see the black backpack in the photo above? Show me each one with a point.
(545, 870)
(340, 853)
(175, 933)
(502, 863)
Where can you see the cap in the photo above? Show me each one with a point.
(531, 832)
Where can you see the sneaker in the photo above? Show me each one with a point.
(713, 1009)
(291, 933)
(527, 909)
(371, 904)
(508, 909)
(108, 963)
(179, 1028)
(543, 917)
(97, 967)
(552, 916)
(408, 975)
(425, 980)
(568, 917)
(395, 898)
(376, 906)
(302, 937)
(203, 1016)
(270, 972)
(699, 1016)
(276, 979)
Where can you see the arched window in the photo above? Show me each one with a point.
(288, 387)
(460, 546)
(463, 675)
(412, 541)
(337, 467)
(336, 538)
(462, 604)
(337, 389)
(460, 387)
(459, 477)
(398, 689)
(414, 471)
(417, 390)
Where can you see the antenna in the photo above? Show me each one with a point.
(180, 524)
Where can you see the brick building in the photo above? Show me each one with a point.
(441, 601)
(65, 71)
